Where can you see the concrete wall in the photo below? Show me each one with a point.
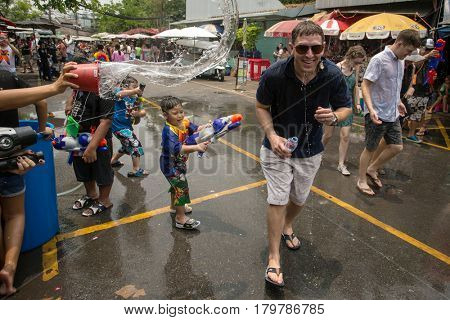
(203, 9)
(333, 4)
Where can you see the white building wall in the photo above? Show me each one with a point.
(203, 9)
(332, 4)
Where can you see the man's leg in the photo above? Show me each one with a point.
(13, 211)
(91, 190)
(391, 151)
(275, 220)
(2, 244)
(364, 161)
(292, 211)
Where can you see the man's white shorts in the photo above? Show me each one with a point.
(288, 178)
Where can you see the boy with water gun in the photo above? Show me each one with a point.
(128, 110)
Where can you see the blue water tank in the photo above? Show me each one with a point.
(41, 209)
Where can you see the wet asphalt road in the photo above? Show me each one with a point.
(353, 247)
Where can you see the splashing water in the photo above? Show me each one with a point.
(179, 70)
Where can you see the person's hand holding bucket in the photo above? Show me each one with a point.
(67, 78)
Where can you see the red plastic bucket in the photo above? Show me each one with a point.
(88, 77)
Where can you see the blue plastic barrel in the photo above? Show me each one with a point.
(41, 209)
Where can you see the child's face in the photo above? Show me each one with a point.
(175, 115)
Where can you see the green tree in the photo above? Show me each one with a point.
(253, 31)
(19, 10)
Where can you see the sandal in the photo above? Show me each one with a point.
(277, 271)
(190, 224)
(95, 209)
(187, 209)
(140, 173)
(82, 203)
(117, 164)
(290, 237)
(375, 180)
(365, 191)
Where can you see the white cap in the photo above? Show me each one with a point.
(414, 56)
(429, 44)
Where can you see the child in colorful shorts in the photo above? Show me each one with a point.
(174, 157)
(127, 110)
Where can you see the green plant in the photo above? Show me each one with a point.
(253, 31)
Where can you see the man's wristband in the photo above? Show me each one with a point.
(335, 119)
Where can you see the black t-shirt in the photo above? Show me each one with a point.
(10, 118)
(25, 49)
(88, 109)
(293, 104)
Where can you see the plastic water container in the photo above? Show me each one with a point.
(41, 209)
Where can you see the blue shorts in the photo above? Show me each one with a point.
(11, 185)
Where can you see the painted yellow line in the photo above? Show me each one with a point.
(226, 90)
(50, 260)
(248, 154)
(420, 245)
(443, 132)
(423, 142)
(149, 214)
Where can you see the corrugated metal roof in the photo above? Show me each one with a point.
(333, 4)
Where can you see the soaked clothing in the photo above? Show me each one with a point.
(351, 82)
(390, 131)
(130, 143)
(293, 104)
(173, 162)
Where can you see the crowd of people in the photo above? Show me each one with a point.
(48, 55)
(303, 95)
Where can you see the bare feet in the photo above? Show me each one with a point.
(364, 188)
(273, 276)
(7, 281)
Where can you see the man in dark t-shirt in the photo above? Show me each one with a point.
(94, 115)
(294, 98)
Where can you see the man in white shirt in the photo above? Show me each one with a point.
(381, 92)
(70, 44)
(7, 54)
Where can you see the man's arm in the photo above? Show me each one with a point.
(18, 98)
(366, 87)
(277, 143)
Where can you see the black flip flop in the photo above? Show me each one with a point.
(277, 271)
(291, 237)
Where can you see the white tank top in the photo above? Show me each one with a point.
(7, 61)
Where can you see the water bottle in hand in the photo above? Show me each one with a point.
(292, 143)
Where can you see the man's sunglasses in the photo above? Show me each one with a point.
(302, 49)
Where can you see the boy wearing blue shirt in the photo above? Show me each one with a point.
(174, 157)
(127, 111)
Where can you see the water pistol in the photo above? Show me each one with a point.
(433, 63)
(218, 128)
(76, 146)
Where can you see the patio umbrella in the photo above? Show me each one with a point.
(139, 36)
(213, 28)
(282, 29)
(100, 35)
(171, 33)
(195, 32)
(381, 26)
(38, 24)
(7, 22)
(333, 27)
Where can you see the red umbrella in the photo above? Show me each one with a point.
(7, 22)
(333, 27)
(282, 29)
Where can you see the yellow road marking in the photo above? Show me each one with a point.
(420, 245)
(444, 132)
(50, 260)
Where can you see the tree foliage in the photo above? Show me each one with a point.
(19, 10)
(253, 31)
(128, 14)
